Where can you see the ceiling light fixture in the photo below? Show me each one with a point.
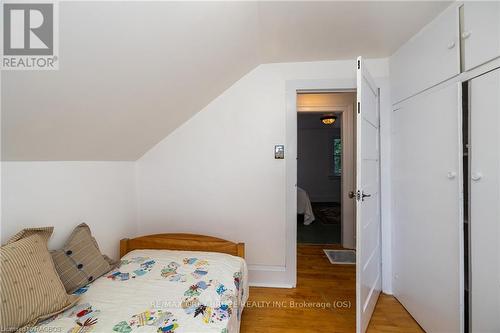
(328, 120)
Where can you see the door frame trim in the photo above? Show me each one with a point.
(292, 87)
(348, 175)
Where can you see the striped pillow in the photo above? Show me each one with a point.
(31, 288)
(80, 261)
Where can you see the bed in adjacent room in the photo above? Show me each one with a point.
(304, 206)
(160, 287)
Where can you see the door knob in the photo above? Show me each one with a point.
(466, 34)
(476, 176)
(451, 45)
(451, 175)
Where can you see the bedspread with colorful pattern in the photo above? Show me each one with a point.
(160, 291)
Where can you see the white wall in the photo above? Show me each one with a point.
(314, 165)
(216, 174)
(64, 194)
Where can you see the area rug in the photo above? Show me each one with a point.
(327, 212)
(342, 257)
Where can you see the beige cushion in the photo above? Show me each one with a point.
(44, 232)
(30, 286)
(80, 261)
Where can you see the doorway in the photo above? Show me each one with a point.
(365, 233)
(326, 168)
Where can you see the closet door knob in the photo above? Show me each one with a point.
(451, 45)
(466, 34)
(451, 175)
(476, 176)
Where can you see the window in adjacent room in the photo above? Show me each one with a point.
(336, 169)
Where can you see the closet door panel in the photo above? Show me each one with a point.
(427, 223)
(430, 57)
(485, 203)
(481, 32)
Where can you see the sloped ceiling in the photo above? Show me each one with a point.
(132, 72)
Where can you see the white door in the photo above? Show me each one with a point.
(368, 253)
(426, 210)
(485, 203)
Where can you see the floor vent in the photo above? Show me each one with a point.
(342, 257)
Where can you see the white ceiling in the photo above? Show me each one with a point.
(305, 31)
(132, 72)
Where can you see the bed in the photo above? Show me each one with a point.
(164, 283)
(304, 206)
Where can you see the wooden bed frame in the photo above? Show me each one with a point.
(184, 242)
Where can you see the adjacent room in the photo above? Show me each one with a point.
(325, 190)
(250, 166)
(319, 187)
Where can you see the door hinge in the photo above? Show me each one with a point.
(358, 195)
(359, 107)
(359, 65)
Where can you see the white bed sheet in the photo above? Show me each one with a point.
(304, 206)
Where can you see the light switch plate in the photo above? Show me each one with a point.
(279, 152)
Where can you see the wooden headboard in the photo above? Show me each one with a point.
(184, 242)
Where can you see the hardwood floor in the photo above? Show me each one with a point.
(391, 316)
(305, 308)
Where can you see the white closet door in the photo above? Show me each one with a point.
(485, 203)
(368, 245)
(430, 57)
(427, 205)
(481, 32)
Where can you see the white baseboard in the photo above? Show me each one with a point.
(266, 268)
(269, 276)
(270, 285)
